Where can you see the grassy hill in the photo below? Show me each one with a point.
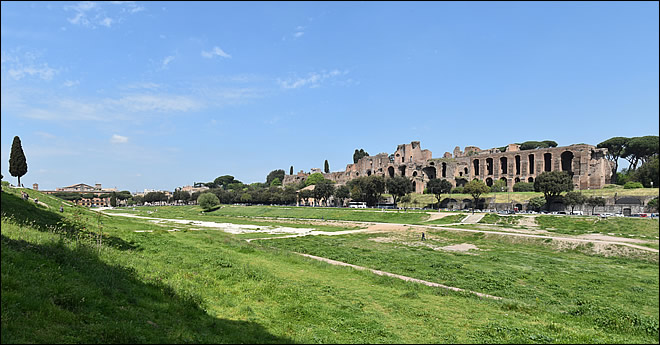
(61, 284)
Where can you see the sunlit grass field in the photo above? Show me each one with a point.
(206, 286)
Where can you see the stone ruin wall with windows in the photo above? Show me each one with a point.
(590, 168)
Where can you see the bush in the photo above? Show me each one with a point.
(536, 204)
(632, 185)
(208, 201)
(523, 187)
(457, 190)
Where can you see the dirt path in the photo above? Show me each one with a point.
(383, 273)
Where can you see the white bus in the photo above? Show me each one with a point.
(357, 204)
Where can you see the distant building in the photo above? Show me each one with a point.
(191, 189)
(35, 186)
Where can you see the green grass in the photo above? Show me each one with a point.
(492, 218)
(213, 287)
(619, 226)
(274, 212)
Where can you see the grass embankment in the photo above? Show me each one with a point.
(616, 226)
(210, 287)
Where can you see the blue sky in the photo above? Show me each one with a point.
(139, 95)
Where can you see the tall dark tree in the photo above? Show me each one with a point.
(324, 190)
(359, 154)
(438, 187)
(552, 183)
(573, 199)
(615, 149)
(640, 149)
(326, 167)
(595, 201)
(341, 193)
(398, 186)
(367, 188)
(17, 164)
(279, 173)
(291, 170)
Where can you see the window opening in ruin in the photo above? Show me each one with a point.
(505, 181)
(517, 179)
(517, 165)
(414, 173)
(368, 172)
(489, 166)
(475, 163)
(414, 186)
(567, 161)
(390, 171)
(402, 169)
(547, 158)
(503, 165)
(489, 182)
(465, 170)
(430, 172)
(460, 173)
(530, 180)
(444, 169)
(531, 164)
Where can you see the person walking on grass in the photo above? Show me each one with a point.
(423, 236)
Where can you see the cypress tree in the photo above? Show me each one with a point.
(291, 170)
(327, 167)
(17, 163)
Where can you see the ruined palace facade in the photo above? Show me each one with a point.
(587, 164)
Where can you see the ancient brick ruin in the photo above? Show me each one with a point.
(587, 163)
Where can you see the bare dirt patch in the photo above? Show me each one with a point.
(463, 247)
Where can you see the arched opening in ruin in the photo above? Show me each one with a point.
(430, 172)
(465, 170)
(414, 186)
(489, 166)
(402, 170)
(517, 165)
(530, 180)
(414, 173)
(517, 179)
(567, 161)
(475, 164)
(531, 164)
(547, 161)
(390, 171)
(368, 172)
(444, 169)
(503, 165)
(489, 182)
(505, 181)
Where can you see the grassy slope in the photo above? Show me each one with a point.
(206, 286)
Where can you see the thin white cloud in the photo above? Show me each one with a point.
(166, 61)
(298, 34)
(91, 14)
(216, 51)
(312, 80)
(20, 65)
(118, 139)
(71, 83)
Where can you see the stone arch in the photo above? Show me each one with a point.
(489, 166)
(475, 164)
(503, 165)
(506, 183)
(414, 186)
(531, 163)
(530, 180)
(517, 165)
(444, 169)
(369, 172)
(517, 179)
(390, 171)
(430, 172)
(414, 173)
(547, 161)
(465, 170)
(402, 170)
(489, 182)
(567, 161)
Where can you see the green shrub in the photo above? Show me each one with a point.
(457, 190)
(632, 185)
(523, 187)
(208, 201)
